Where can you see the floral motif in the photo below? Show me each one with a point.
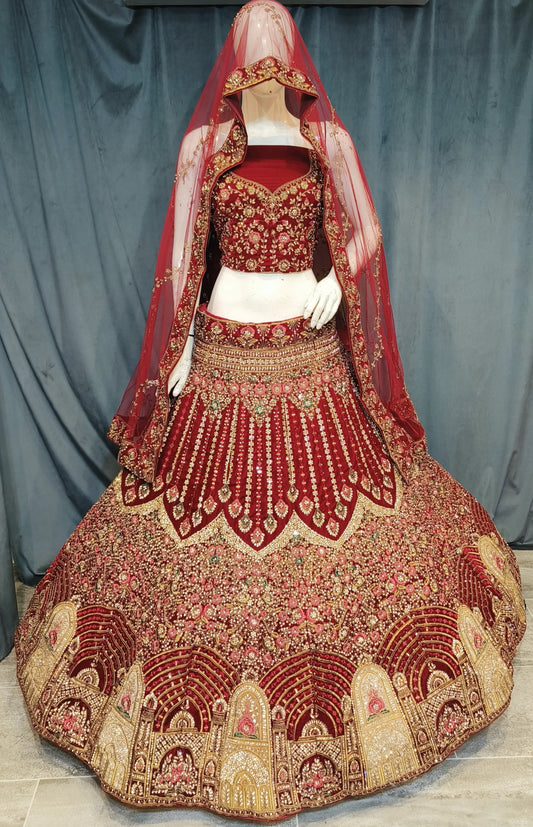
(70, 722)
(263, 231)
(124, 705)
(452, 723)
(177, 775)
(246, 725)
(477, 640)
(51, 638)
(318, 778)
(375, 704)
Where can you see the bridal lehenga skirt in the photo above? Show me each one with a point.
(278, 621)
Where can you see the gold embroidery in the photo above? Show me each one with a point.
(260, 230)
(265, 69)
(260, 688)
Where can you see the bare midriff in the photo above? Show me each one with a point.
(260, 297)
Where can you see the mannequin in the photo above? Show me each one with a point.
(264, 297)
(282, 600)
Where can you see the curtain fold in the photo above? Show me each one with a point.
(94, 98)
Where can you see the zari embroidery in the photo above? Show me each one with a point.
(259, 616)
(265, 69)
(261, 690)
(277, 622)
(271, 399)
(263, 231)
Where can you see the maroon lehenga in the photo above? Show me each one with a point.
(298, 604)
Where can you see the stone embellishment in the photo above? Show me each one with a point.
(260, 440)
(278, 622)
(266, 231)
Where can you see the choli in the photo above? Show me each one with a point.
(266, 212)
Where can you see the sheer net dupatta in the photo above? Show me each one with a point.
(264, 43)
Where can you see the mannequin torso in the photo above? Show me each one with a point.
(266, 297)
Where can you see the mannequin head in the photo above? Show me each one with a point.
(268, 89)
(263, 29)
(266, 101)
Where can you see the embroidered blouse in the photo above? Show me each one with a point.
(266, 211)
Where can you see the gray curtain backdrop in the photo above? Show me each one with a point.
(94, 99)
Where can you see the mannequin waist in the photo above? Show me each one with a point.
(260, 297)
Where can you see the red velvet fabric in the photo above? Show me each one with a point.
(274, 165)
(264, 44)
(270, 223)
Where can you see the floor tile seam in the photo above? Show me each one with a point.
(36, 779)
(30, 805)
(64, 777)
(489, 757)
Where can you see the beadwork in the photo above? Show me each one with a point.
(277, 622)
(263, 231)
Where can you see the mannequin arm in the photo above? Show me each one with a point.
(323, 302)
(180, 371)
(356, 198)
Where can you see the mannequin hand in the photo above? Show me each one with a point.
(180, 372)
(324, 301)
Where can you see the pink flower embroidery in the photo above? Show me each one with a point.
(375, 703)
(317, 780)
(246, 725)
(125, 703)
(68, 722)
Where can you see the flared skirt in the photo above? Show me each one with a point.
(278, 621)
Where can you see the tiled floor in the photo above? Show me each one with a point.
(489, 781)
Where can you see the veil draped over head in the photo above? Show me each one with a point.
(264, 43)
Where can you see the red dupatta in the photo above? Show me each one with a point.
(264, 43)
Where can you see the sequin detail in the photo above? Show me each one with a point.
(261, 643)
(263, 231)
(269, 437)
